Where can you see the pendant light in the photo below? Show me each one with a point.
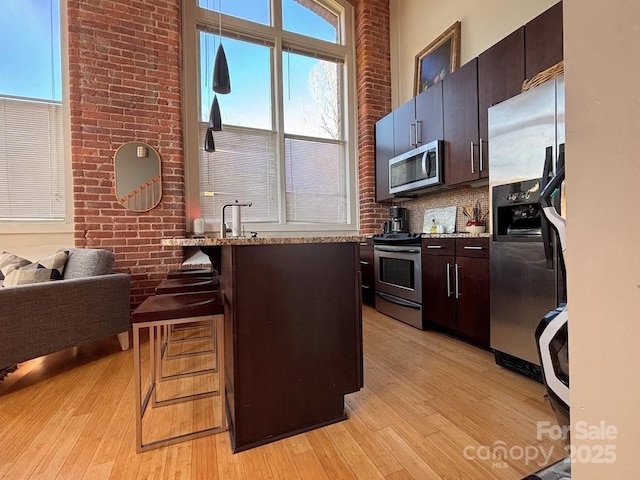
(221, 80)
(222, 85)
(209, 145)
(215, 120)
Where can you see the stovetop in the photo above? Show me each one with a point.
(397, 238)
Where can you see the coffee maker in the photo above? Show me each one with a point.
(399, 221)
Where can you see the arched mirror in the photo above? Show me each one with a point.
(138, 182)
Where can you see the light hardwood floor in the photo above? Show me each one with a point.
(432, 408)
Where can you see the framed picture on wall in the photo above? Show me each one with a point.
(438, 59)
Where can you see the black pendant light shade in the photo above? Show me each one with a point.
(215, 120)
(209, 145)
(221, 80)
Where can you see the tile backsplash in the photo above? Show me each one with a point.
(458, 196)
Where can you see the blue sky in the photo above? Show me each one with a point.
(30, 57)
(248, 104)
(30, 63)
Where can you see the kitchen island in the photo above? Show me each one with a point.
(292, 332)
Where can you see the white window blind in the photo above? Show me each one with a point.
(31, 160)
(242, 168)
(316, 181)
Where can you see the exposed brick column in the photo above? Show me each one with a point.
(124, 75)
(373, 71)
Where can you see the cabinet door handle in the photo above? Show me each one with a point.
(473, 248)
(362, 262)
(448, 281)
(418, 132)
(363, 244)
(458, 281)
(481, 158)
(472, 170)
(412, 134)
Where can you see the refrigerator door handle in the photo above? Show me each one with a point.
(547, 170)
(559, 166)
(547, 237)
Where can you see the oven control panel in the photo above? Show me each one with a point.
(397, 238)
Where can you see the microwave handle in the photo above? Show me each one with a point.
(426, 166)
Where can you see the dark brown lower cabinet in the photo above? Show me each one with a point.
(292, 337)
(455, 283)
(438, 301)
(367, 272)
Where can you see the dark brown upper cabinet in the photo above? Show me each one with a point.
(500, 77)
(416, 123)
(419, 121)
(462, 158)
(543, 41)
(384, 153)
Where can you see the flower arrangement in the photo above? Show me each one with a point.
(474, 214)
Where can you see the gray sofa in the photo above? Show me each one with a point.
(89, 303)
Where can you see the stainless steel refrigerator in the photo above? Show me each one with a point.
(526, 142)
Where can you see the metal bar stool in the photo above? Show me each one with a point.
(153, 314)
(188, 284)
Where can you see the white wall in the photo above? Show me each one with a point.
(602, 46)
(416, 23)
(35, 246)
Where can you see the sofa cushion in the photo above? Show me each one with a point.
(49, 268)
(8, 263)
(88, 262)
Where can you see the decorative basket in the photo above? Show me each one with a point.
(548, 74)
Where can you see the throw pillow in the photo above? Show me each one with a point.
(8, 263)
(50, 268)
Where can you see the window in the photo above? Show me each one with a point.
(31, 112)
(287, 144)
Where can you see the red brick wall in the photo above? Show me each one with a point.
(124, 75)
(124, 62)
(373, 73)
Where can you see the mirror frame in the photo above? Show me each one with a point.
(140, 198)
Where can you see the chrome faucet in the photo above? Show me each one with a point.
(224, 228)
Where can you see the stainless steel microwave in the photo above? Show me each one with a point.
(418, 168)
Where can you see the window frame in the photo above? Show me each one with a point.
(65, 225)
(195, 19)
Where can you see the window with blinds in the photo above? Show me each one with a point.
(31, 160)
(286, 122)
(242, 168)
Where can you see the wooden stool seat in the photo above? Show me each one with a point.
(179, 305)
(187, 285)
(190, 272)
(158, 314)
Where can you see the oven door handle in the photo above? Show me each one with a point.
(398, 301)
(391, 248)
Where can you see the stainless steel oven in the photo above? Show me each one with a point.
(399, 281)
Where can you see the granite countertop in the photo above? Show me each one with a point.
(212, 242)
(448, 235)
(456, 235)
